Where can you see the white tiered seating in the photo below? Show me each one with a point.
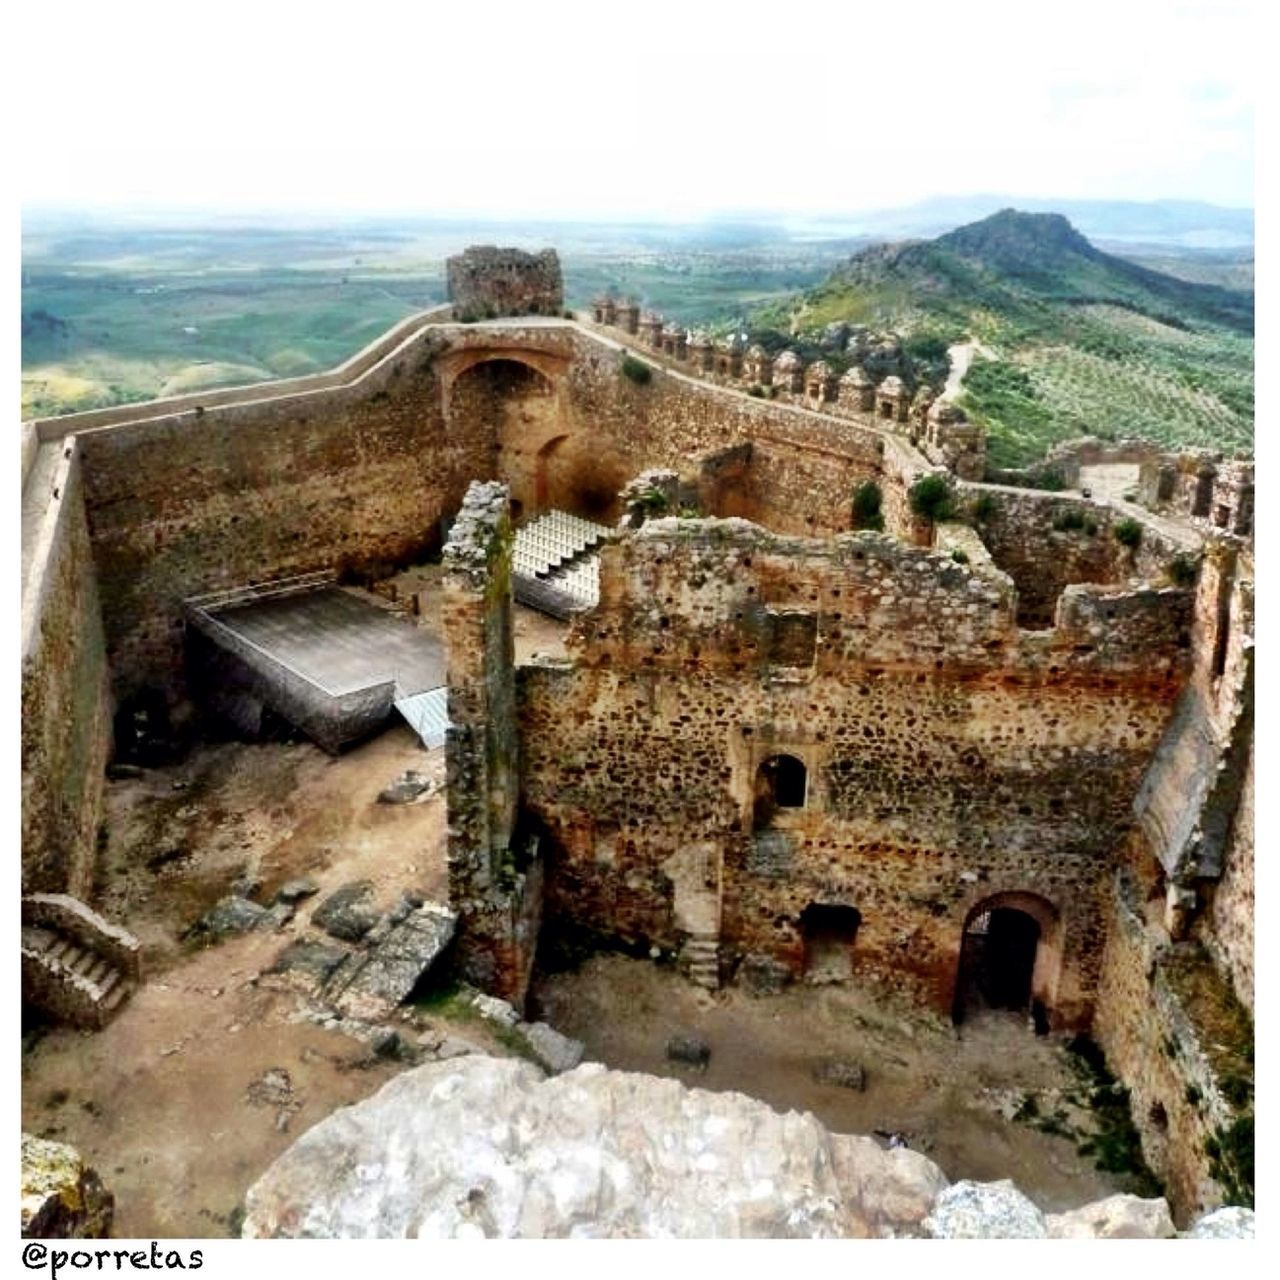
(559, 549)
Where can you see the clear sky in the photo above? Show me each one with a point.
(651, 107)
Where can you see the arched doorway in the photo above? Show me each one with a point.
(781, 783)
(1010, 956)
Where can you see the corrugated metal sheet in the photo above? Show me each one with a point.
(427, 714)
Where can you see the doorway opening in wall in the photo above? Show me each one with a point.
(829, 932)
(1002, 961)
(782, 783)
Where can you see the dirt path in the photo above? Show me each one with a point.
(961, 356)
(953, 1095)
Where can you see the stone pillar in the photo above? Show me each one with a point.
(494, 880)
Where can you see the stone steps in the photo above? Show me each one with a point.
(700, 959)
(73, 982)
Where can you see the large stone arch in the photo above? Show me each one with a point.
(1045, 976)
(510, 409)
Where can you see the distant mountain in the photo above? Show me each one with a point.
(1186, 224)
(1013, 264)
(1085, 341)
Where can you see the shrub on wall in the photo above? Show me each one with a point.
(636, 370)
(1181, 571)
(866, 506)
(1128, 533)
(930, 498)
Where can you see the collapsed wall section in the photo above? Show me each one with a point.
(66, 714)
(1047, 542)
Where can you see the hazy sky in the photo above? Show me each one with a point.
(552, 107)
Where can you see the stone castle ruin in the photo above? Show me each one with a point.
(998, 749)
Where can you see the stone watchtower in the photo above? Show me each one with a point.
(486, 281)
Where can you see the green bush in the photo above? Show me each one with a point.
(1069, 521)
(1128, 533)
(755, 389)
(960, 557)
(930, 498)
(866, 506)
(1181, 571)
(653, 500)
(636, 370)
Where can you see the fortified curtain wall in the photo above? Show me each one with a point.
(361, 477)
(66, 720)
(949, 757)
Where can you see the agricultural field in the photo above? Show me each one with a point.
(116, 314)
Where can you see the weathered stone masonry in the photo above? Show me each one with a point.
(494, 879)
(949, 756)
(66, 720)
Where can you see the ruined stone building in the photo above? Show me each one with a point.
(1003, 744)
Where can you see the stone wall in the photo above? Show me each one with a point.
(494, 885)
(66, 716)
(1175, 1035)
(1229, 922)
(363, 476)
(949, 758)
(487, 281)
(1047, 541)
(341, 480)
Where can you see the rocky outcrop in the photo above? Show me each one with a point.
(985, 1211)
(61, 1198)
(480, 1146)
(483, 1146)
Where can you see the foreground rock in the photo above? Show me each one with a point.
(1118, 1217)
(985, 1211)
(1231, 1223)
(483, 1146)
(61, 1198)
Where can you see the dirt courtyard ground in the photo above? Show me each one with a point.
(953, 1094)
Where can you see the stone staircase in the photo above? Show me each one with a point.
(700, 958)
(76, 966)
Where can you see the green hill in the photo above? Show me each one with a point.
(1084, 341)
